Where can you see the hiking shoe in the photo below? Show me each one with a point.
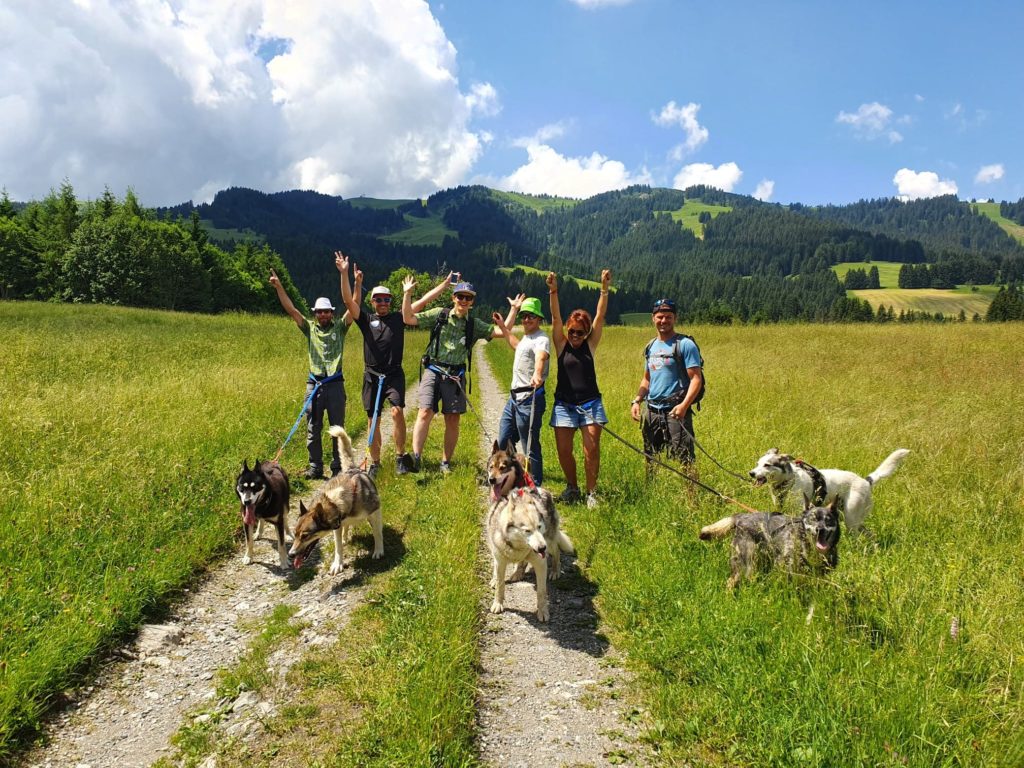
(402, 463)
(414, 463)
(570, 495)
(314, 473)
(592, 500)
(446, 468)
(373, 469)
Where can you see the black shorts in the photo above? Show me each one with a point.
(662, 433)
(393, 390)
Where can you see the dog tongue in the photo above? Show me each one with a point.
(822, 547)
(249, 515)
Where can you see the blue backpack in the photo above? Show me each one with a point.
(677, 355)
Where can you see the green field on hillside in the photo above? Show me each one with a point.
(888, 271)
(991, 210)
(422, 231)
(376, 203)
(691, 210)
(594, 284)
(538, 203)
(217, 235)
(932, 300)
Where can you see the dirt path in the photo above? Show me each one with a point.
(126, 718)
(550, 694)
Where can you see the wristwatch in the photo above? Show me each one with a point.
(637, 400)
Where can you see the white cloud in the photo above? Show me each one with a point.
(594, 4)
(544, 135)
(724, 177)
(918, 98)
(765, 189)
(175, 96)
(912, 185)
(549, 172)
(686, 118)
(989, 173)
(871, 121)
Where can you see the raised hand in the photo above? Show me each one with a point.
(517, 302)
(340, 261)
(606, 279)
(552, 281)
(357, 274)
(274, 279)
(408, 283)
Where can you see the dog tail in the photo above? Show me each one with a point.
(719, 529)
(345, 443)
(565, 543)
(890, 465)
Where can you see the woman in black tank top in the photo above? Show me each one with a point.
(578, 405)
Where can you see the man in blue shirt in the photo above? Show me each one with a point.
(673, 381)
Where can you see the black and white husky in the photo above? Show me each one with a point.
(785, 475)
(263, 492)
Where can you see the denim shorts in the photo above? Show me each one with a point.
(567, 415)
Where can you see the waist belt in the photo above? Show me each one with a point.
(451, 368)
(524, 390)
(324, 378)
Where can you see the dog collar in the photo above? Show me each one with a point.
(818, 480)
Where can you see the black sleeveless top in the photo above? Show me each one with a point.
(577, 379)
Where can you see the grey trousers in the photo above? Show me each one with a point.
(331, 398)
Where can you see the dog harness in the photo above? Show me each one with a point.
(818, 479)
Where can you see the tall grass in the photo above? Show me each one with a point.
(123, 432)
(859, 668)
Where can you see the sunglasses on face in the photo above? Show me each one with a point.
(576, 334)
(463, 297)
(528, 316)
(381, 299)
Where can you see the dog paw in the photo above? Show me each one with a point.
(336, 568)
(497, 607)
(543, 614)
(246, 559)
(377, 554)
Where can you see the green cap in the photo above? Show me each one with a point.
(532, 306)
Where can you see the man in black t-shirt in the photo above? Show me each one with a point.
(383, 346)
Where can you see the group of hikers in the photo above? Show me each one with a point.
(670, 387)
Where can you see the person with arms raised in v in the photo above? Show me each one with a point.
(453, 333)
(671, 386)
(325, 343)
(578, 404)
(383, 349)
(521, 420)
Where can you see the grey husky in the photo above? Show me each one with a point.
(766, 538)
(349, 497)
(785, 475)
(263, 492)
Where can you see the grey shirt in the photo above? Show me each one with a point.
(525, 361)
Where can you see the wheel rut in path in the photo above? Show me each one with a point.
(149, 689)
(556, 693)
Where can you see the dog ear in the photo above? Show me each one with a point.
(302, 509)
(495, 448)
(807, 502)
(511, 447)
(245, 465)
(834, 506)
(773, 450)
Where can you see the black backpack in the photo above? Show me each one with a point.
(677, 355)
(433, 345)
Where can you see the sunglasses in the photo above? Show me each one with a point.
(528, 316)
(381, 299)
(464, 297)
(576, 334)
(663, 305)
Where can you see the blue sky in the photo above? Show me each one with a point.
(793, 102)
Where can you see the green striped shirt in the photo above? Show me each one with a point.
(325, 346)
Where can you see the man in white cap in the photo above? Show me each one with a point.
(325, 342)
(383, 348)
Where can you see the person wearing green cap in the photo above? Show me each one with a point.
(521, 419)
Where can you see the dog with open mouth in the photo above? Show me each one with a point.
(506, 475)
(763, 539)
(787, 476)
(263, 491)
(349, 497)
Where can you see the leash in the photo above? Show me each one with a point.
(376, 410)
(458, 383)
(713, 459)
(302, 412)
(529, 434)
(659, 462)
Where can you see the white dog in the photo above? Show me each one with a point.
(785, 475)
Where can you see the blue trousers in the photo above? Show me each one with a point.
(515, 427)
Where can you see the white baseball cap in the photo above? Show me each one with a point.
(323, 303)
(381, 290)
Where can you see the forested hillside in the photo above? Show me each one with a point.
(752, 262)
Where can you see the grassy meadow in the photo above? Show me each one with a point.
(888, 271)
(689, 215)
(859, 668)
(991, 210)
(581, 282)
(428, 230)
(931, 300)
(125, 428)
